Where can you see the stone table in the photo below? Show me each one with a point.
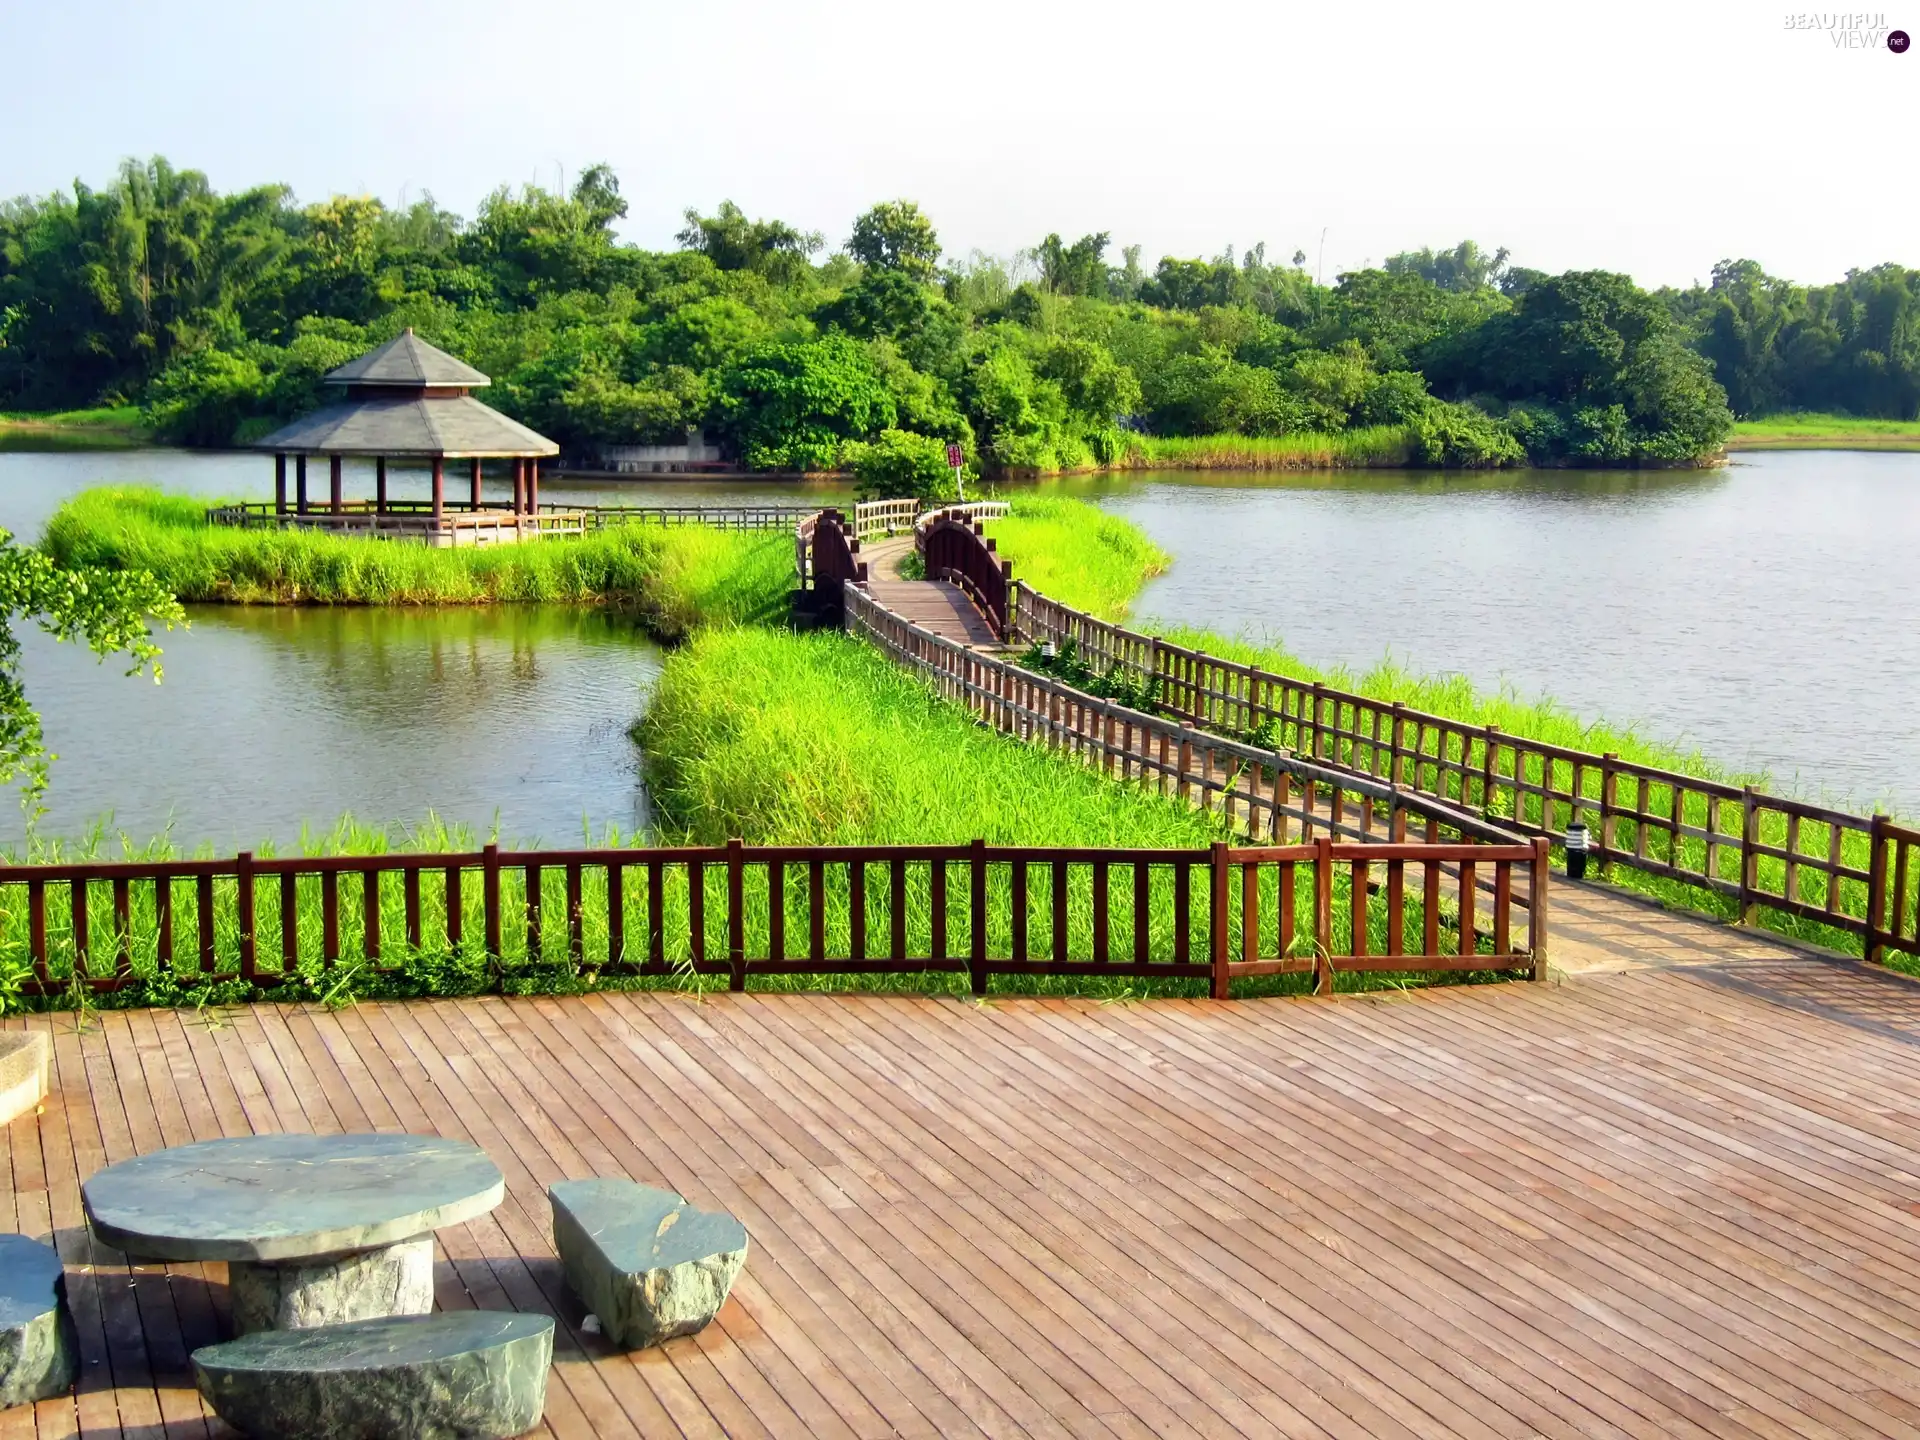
(315, 1229)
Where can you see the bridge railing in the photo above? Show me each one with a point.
(953, 548)
(1262, 794)
(334, 926)
(1759, 852)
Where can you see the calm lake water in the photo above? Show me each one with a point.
(1763, 613)
(274, 719)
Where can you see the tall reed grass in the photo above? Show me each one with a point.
(1077, 553)
(674, 577)
(1381, 445)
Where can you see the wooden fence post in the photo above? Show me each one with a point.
(1609, 800)
(490, 898)
(1537, 905)
(1489, 767)
(1219, 951)
(1323, 916)
(243, 874)
(1749, 857)
(1875, 949)
(977, 941)
(736, 916)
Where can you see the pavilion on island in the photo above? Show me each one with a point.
(408, 401)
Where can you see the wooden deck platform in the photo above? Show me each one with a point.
(1672, 1202)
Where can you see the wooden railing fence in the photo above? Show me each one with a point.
(833, 562)
(1264, 795)
(735, 911)
(1760, 851)
(255, 514)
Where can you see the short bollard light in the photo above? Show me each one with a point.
(1576, 843)
(1049, 651)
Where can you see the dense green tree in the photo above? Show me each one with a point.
(223, 313)
(793, 406)
(733, 242)
(1076, 269)
(894, 235)
(1605, 356)
(1464, 269)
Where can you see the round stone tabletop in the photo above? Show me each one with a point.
(288, 1197)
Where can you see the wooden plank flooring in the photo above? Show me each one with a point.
(1667, 1202)
(944, 609)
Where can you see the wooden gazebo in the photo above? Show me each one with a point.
(407, 400)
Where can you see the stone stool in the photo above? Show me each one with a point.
(26, 1067)
(474, 1374)
(39, 1351)
(648, 1264)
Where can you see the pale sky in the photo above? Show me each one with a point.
(1650, 138)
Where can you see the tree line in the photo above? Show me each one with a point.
(219, 313)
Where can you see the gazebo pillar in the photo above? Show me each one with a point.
(279, 485)
(333, 482)
(473, 486)
(533, 487)
(439, 492)
(519, 487)
(380, 486)
(300, 484)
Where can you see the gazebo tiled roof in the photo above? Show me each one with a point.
(407, 360)
(407, 399)
(449, 426)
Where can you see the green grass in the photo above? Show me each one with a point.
(102, 417)
(816, 739)
(1077, 554)
(674, 577)
(1381, 445)
(1804, 429)
(116, 427)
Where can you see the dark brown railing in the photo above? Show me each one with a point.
(833, 561)
(1761, 852)
(954, 548)
(262, 514)
(737, 911)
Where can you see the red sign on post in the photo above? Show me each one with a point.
(955, 457)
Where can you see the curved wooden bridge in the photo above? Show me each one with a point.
(1673, 1192)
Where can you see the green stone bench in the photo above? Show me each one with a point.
(26, 1067)
(38, 1348)
(456, 1375)
(646, 1263)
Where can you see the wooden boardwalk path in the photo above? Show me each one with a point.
(1678, 1201)
(934, 606)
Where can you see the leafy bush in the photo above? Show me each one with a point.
(899, 465)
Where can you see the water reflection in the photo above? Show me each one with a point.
(274, 718)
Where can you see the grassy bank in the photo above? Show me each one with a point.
(673, 577)
(1808, 430)
(1377, 445)
(109, 427)
(1077, 553)
(818, 739)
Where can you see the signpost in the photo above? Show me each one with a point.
(957, 462)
